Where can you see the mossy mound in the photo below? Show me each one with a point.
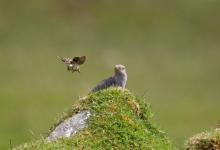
(119, 120)
(204, 141)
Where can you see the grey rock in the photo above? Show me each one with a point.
(70, 126)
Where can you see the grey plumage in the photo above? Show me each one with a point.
(118, 80)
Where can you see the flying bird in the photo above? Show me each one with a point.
(118, 80)
(73, 64)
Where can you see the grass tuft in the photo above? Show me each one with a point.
(204, 141)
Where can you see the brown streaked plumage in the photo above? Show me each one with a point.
(73, 64)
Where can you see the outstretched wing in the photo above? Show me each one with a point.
(79, 60)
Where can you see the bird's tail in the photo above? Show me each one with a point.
(64, 59)
(60, 58)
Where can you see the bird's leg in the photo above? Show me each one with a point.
(68, 68)
(78, 70)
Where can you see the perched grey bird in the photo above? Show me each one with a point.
(118, 80)
(73, 63)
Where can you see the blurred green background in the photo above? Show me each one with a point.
(170, 48)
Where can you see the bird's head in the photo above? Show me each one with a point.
(120, 70)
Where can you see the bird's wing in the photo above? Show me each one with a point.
(104, 84)
(79, 60)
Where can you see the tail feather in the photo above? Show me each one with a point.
(104, 84)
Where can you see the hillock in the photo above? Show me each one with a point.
(119, 120)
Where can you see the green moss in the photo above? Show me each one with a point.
(204, 141)
(119, 121)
